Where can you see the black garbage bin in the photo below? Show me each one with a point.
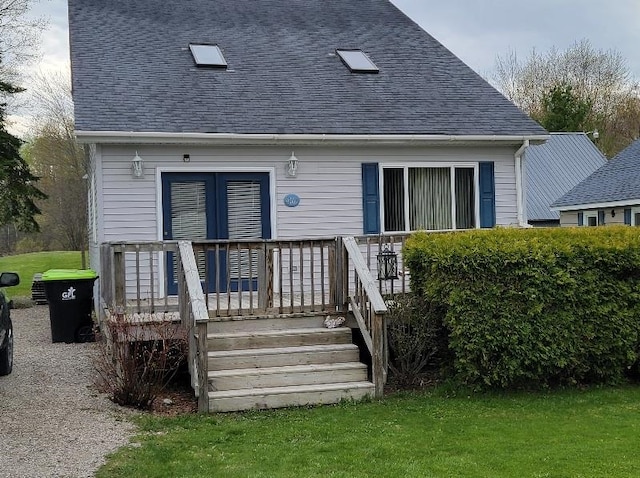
(70, 296)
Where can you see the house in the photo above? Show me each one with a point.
(552, 169)
(611, 195)
(264, 133)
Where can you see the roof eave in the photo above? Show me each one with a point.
(120, 137)
(598, 205)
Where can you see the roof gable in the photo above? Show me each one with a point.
(618, 180)
(555, 167)
(132, 71)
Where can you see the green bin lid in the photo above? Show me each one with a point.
(68, 274)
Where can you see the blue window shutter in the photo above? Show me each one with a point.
(580, 219)
(627, 217)
(600, 218)
(370, 198)
(487, 195)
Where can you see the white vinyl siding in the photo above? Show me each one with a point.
(329, 184)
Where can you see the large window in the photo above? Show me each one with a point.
(431, 198)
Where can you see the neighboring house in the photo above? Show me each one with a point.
(554, 168)
(236, 119)
(611, 195)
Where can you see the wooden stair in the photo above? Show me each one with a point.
(260, 363)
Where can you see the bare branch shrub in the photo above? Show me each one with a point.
(138, 360)
(418, 341)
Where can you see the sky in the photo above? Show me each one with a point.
(477, 31)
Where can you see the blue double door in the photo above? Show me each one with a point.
(206, 206)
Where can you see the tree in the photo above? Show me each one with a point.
(598, 78)
(17, 190)
(19, 34)
(562, 110)
(55, 155)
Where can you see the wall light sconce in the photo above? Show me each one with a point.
(613, 213)
(292, 166)
(186, 158)
(137, 170)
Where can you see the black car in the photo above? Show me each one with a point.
(7, 279)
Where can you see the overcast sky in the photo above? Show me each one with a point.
(476, 31)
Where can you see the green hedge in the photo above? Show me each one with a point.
(532, 308)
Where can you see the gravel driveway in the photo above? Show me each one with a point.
(52, 421)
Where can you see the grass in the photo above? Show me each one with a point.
(26, 265)
(562, 434)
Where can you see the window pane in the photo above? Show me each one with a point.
(465, 199)
(207, 55)
(430, 198)
(636, 220)
(357, 61)
(592, 221)
(245, 222)
(393, 199)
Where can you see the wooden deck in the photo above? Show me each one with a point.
(262, 281)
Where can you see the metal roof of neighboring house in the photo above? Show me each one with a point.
(133, 71)
(618, 180)
(555, 167)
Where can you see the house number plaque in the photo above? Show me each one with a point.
(291, 200)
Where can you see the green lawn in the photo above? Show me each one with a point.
(28, 264)
(593, 433)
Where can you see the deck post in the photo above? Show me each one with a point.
(336, 261)
(119, 277)
(106, 274)
(203, 369)
(378, 359)
(263, 277)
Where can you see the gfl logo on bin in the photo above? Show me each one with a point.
(69, 295)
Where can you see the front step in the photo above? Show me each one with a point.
(282, 361)
(283, 356)
(270, 377)
(278, 338)
(277, 397)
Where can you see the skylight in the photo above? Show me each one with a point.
(357, 61)
(207, 55)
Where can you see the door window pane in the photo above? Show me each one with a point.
(393, 199)
(592, 221)
(430, 198)
(636, 219)
(189, 216)
(245, 222)
(465, 199)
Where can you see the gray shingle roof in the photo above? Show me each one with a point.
(132, 71)
(555, 167)
(617, 180)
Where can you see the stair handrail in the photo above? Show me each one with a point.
(368, 308)
(194, 317)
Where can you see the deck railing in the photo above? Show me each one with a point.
(368, 307)
(194, 317)
(235, 278)
(370, 246)
(132, 278)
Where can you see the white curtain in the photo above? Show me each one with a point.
(430, 198)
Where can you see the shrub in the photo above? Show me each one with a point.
(534, 307)
(417, 341)
(138, 360)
